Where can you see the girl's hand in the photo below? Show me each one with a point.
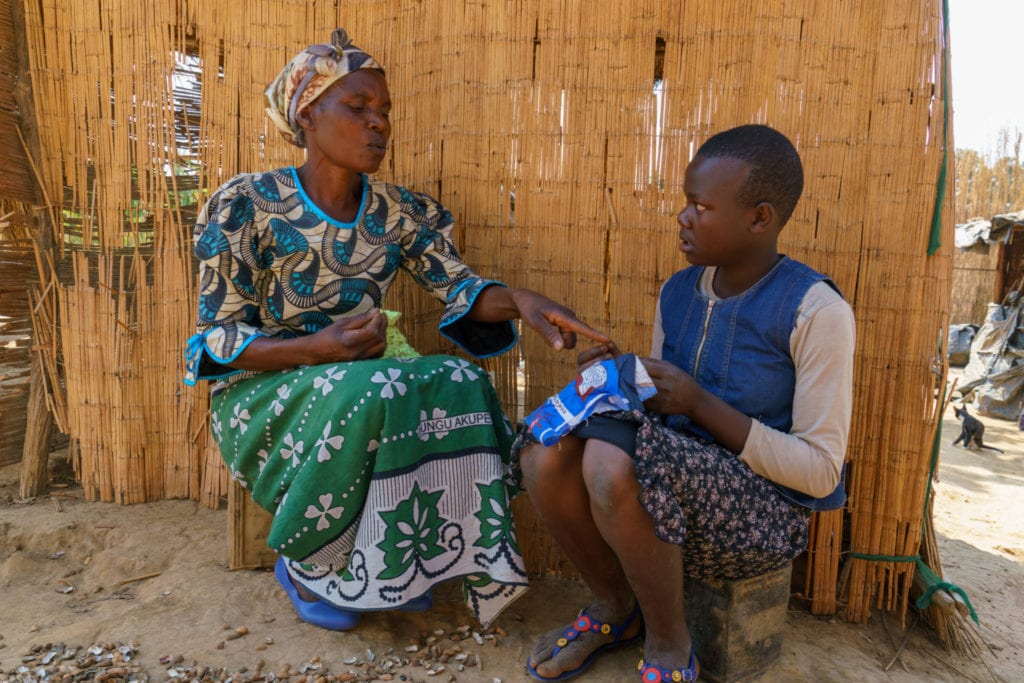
(678, 393)
(596, 354)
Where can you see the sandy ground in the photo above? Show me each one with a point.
(75, 573)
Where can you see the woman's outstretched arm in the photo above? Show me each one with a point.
(553, 321)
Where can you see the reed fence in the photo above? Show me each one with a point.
(557, 132)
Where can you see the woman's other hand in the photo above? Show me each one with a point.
(356, 338)
(596, 354)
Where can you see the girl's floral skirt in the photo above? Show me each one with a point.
(385, 477)
(730, 522)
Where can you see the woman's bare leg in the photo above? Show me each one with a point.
(553, 476)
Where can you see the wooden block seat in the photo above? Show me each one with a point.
(737, 626)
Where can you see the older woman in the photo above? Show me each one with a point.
(385, 475)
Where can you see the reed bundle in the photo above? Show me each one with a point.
(948, 614)
(990, 184)
(18, 267)
(557, 132)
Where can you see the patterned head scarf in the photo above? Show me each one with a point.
(307, 76)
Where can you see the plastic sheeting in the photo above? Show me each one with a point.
(987, 232)
(995, 370)
(960, 339)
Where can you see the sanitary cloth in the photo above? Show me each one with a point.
(617, 384)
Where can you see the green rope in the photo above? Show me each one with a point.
(934, 583)
(935, 238)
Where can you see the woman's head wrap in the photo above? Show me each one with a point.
(310, 73)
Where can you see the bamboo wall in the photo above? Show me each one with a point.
(17, 228)
(975, 277)
(557, 132)
(15, 185)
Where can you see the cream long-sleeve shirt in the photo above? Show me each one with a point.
(810, 457)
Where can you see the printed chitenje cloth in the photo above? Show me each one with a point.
(385, 477)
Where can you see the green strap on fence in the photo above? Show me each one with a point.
(935, 238)
(932, 582)
(886, 558)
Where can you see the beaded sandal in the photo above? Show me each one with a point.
(582, 624)
(649, 673)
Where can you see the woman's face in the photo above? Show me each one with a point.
(349, 125)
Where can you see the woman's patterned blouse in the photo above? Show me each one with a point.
(272, 263)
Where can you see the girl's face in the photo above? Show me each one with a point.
(349, 123)
(714, 226)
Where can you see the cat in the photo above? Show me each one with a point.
(971, 431)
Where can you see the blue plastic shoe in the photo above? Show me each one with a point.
(317, 613)
(420, 604)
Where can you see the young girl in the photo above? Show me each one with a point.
(752, 358)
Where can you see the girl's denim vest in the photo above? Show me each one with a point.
(738, 349)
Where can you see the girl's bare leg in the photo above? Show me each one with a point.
(553, 476)
(653, 568)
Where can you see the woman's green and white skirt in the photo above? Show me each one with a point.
(385, 477)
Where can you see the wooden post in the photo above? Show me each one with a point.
(39, 423)
(999, 279)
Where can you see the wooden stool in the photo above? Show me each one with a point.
(737, 626)
(248, 526)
